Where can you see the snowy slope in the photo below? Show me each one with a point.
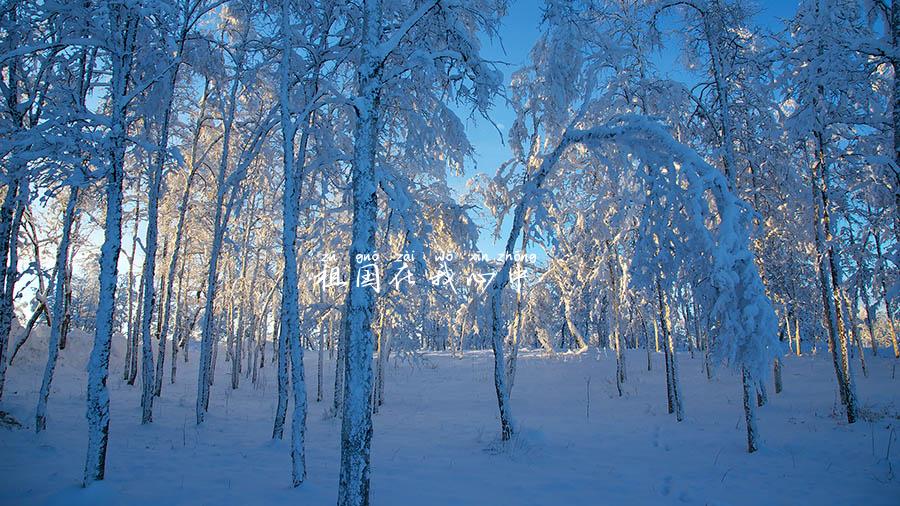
(436, 438)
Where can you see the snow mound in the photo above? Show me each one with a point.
(29, 363)
(97, 493)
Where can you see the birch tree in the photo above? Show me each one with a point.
(445, 45)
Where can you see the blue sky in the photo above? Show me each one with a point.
(519, 31)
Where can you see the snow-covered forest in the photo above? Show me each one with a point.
(449, 252)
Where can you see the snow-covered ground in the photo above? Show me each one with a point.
(436, 437)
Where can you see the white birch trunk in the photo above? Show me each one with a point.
(356, 427)
(356, 419)
(290, 320)
(123, 24)
(204, 375)
(10, 236)
(59, 287)
(130, 371)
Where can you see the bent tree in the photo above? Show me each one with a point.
(733, 295)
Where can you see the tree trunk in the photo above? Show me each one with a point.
(290, 319)
(7, 303)
(894, 26)
(62, 268)
(130, 361)
(857, 340)
(761, 396)
(664, 325)
(614, 300)
(356, 423)
(207, 339)
(777, 372)
(827, 278)
(8, 241)
(749, 411)
(320, 362)
(98, 366)
(338, 400)
(133, 344)
(884, 295)
(646, 341)
(173, 264)
(676, 388)
(67, 307)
